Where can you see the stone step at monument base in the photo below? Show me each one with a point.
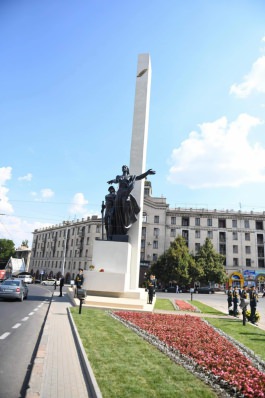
(121, 303)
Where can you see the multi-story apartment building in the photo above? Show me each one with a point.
(239, 236)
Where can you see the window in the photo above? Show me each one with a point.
(246, 223)
(185, 221)
(144, 232)
(210, 234)
(209, 222)
(156, 219)
(88, 228)
(142, 243)
(87, 240)
(235, 249)
(173, 232)
(197, 247)
(234, 235)
(222, 249)
(197, 221)
(248, 249)
(222, 223)
(259, 225)
(260, 251)
(144, 217)
(197, 234)
(248, 262)
(234, 223)
(155, 244)
(222, 236)
(173, 220)
(261, 263)
(260, 239)
(185, 234)
(154, 257)
(235, 262)
(97, 228)
(247, 236)
(156, 232)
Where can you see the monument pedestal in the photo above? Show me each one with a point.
(115, 259)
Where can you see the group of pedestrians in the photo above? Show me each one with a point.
(233, 298)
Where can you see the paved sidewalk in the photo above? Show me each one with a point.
(57, 370)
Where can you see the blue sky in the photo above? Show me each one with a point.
(67, 78)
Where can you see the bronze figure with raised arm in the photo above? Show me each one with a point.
(125, 205)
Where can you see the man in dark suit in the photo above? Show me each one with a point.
(61, 286)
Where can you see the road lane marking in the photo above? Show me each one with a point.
(4, 335)
(36, 309)
(31, 313)
(16, 326)
(25, 319)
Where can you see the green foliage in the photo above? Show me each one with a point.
(7, 249)
(176, 264)
(25, 243)
(211, 264)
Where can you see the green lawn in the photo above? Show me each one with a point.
(126, 366)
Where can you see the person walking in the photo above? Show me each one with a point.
(61, 286)
(253, 297)
(229, 299)
(235, 301)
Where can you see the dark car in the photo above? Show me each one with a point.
(169, 289)
(14, 289)
(205, 289)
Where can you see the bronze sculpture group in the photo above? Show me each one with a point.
(121, 208)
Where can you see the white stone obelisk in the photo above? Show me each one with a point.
(138, 157)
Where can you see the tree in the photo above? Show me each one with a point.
(176, 264)
(25, 243)
(212, 264)
(7, 249)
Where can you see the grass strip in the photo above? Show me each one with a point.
(205, 309)
(164, 304)
(126, 366)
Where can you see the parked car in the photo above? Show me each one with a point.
(25, 278)
(205, 289)
(50, 282)
(14, 288)
(169, 289)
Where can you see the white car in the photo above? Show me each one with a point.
(25, 278)
(50, 282)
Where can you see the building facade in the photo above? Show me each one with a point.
(239, 236)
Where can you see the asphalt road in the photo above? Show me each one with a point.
(20, 328)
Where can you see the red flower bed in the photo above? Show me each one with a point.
(194, 338)
(184, 306)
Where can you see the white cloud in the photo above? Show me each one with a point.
(5, 175)
(27, 177)
(78, 206)
(47, 193)
(220, 155)
(253, 81)
(17, 229)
